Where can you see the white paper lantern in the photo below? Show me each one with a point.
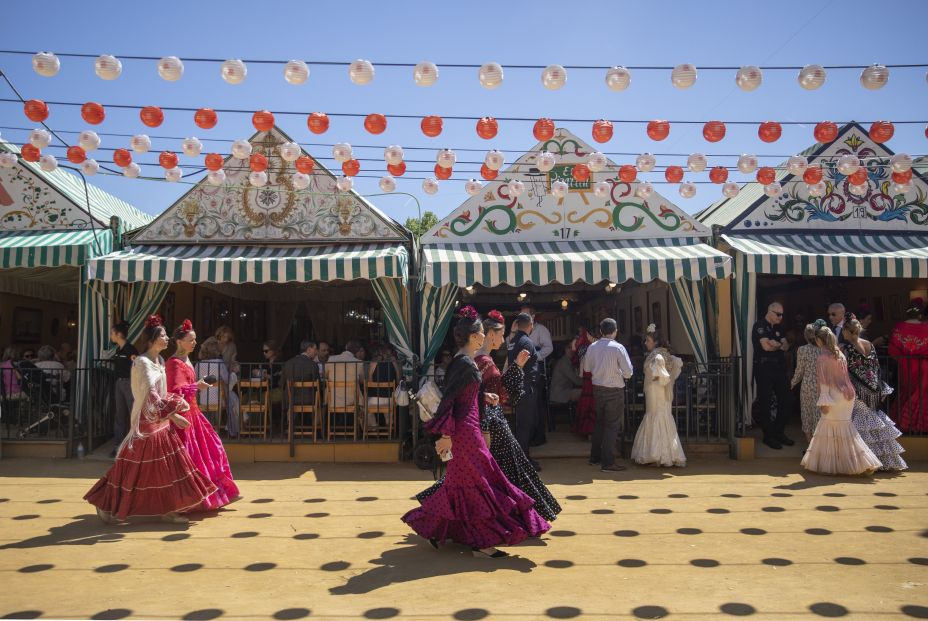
(645, 162)
(859, 190)
(473, 187)
(874, 77)
(241, 149)
(490, 75)
(89, 140)
(602, 189)
(848, 164)
(234, 71)
(48, 162)
(171, 68)
(40, 138)
(387, 183)
(393, 154)
(812, 77)
(696, 162)
(425, 74)
(361, 72)
(559, 189)
(749, 78)
(597, 161)
(107, 67)
(773, 189)
(140, 143)
(341, 151)
(516, 188)
(296, 72)
(446, 158)
(90, 167)
(730, 189)
(344, 184)
(683, 76)
(258, 179)
(899, 188)
(687, 189)
(644, 190)
(46, 64)
(216, 177)
(554, 77)
(192, 147)
(173, 174)
(747, 163)
(817, 189)
(430, 185)
(494, 159)
(132, 171)
(546, 161)
(7, 160)
(901, 162)
(797, 164)
(300, 180)
(289, 151)
(618, 78)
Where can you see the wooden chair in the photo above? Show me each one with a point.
(255, 396)
(297, 420)
(215, 406)
(385, 406)
(343, 389)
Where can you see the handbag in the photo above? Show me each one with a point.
(401, 395)
(428, 399)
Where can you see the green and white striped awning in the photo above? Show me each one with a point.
(849, 255)
(494, 263)
(19, 249)
(251, 264)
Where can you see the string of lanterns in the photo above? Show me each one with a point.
(490, 75)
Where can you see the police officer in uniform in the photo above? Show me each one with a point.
(770, 346)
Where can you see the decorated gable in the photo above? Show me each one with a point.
(581, 215)
(237, 211)
(881, 204)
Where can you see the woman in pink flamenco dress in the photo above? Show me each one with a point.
(200, 439)
(476, 506)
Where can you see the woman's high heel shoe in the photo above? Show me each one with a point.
(433, 543)
(489, 553)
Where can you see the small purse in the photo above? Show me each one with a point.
(401, 394)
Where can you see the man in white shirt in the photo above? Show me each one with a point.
(608, 362)
(345, 367)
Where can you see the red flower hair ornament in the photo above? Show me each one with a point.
(186, 326)
(496, 316)
(154, 321)
(469, 312)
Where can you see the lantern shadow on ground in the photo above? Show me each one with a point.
(414, 559)
(23, 614)
(113, 613)
(85, 532)
(471, 614)
(916, 612)
(207, 614)
(289, 614)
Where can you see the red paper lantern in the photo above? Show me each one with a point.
(859, 178)
(305, 164)
(487, 127)
(76, 154)
(812, 175)
(263, 120)
(168, 160)
(673, 174)
(205, 118)
(769, 131)
(152, 116)
(213, 161)
(602, 130)
(93, 113)
(766, 175)
(397, 170)
(881, 131)
(543, 130)
(351, 168)
(658, 130)
(581, 172)
(902, 177)
(442, 173)
(431, 126)
(375, 123)
(489, 174)
(257, 162)
(30, 153)
(713, 131)
(627, 173)
(825, 132)
(122, 157)
(317, 122)
(36, 110)
(718, 174)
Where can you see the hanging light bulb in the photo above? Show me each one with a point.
(258, 179)
(817, 189)
(173, 174)
(618, 78)
(344, 184)
(425, 74)
(446, 158)
(494, 159)
(300, 180)
(848, 164)
(342, 152)
(602, 189)
(132, 171)
(901, 162)
(811, 77)
(90, 167)
(361, 72)
(683, 76)
(645, 162)
(773, 189)
(749, 78)
(171, 68)
(241, 149)
(289, 151)
(430, 185)
(545, 161)
(191, 147)
(490, 75)
(296, 72)
(730, 189)
(216, 177)
(89, 140)
(797, 165)
(387, 183)
(393, 154)
(46, 64)
(696, 162)
(559, 189)
(597, 161)
(516, 188)
(473, 187)
(644, 190)
(40, 138)
(874, 77)
(234, 71)
(107, 67)
(140, 143)
(48, 162)
(554, 77)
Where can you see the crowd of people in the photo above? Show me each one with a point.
(57, 366)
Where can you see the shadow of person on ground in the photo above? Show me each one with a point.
(417, 560)
(811, 481)
(88, 530)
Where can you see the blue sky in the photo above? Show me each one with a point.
(846, 32)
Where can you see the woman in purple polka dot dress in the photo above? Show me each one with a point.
(476, 506)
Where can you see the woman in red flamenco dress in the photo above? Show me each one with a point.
(585, 416)
(909, 345)
(153, 475)
(200, 439)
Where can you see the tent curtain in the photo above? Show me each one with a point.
(689, 297)
(744, 307)
(281, 321)
(393, 297)
(437, 308)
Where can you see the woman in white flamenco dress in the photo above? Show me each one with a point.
(657, 441)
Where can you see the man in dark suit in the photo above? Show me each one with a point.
(527, 408)
(301, 368)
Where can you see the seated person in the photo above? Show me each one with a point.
(444, 359)
(272, 369)
(212, 363)
(301, 368)
(566, 381)
(345, 367)
(57, 374)
(383, 368)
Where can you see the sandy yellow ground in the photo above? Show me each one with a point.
(720, 539)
